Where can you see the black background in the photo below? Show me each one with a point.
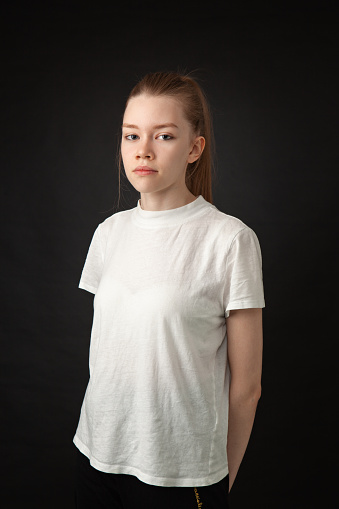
(272, 80)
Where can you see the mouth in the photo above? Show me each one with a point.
(144, 170)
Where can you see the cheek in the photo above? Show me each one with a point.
(180, 156)
(177, 153)
(125, 151)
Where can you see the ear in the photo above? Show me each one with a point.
(197, 149)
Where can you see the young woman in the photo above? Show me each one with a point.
(176, 341)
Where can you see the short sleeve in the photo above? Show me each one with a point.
(244, 277)
(92, 270)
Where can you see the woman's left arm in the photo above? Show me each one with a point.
(244, 351)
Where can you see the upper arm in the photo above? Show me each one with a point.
(245, 348)
(92, 269)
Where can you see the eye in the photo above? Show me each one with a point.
(165, 137)
(131, 137)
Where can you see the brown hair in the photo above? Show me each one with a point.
(197, 112)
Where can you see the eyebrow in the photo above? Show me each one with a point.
(160, 126)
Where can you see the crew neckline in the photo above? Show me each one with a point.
(161, 218)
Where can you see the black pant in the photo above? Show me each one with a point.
(100, 490)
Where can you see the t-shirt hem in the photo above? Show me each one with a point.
(149, 479)
(244, 305)
(88, 288)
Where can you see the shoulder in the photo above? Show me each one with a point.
(232, 235)
(118, 219)
(227, 224)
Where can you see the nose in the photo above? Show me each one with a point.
(144, 150)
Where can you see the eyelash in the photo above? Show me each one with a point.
(168, 139)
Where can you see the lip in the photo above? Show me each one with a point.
(144, 168)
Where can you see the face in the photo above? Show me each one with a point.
(156, 136)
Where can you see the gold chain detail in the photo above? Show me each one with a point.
(198, 498)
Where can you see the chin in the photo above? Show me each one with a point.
(143, 184)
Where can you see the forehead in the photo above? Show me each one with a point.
(145, 109)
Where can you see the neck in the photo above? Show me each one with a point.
(165, 200)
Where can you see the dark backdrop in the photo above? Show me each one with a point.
(271, 78)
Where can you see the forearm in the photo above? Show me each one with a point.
(242, 411)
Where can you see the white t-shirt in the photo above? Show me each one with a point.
(156, 405)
